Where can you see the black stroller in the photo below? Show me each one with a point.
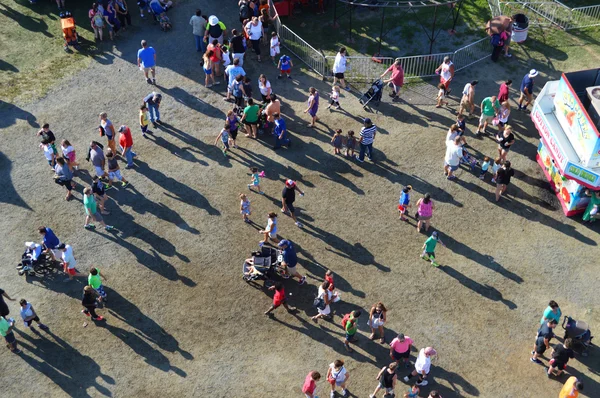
(263, 265)
(373, 93)
(579, 332)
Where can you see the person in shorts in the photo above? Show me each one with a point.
(542, 341)
(29, 316)
(290, 260)
(490, 107)
(270, 232)
(310, 384)
(114, 170)
(288, 196)
(400, 349)
(560, 357)
(146, 61)
(285, 66)
(337, 376)
(98, 159)
(91, 211)
(387, 380)
(279, 298)
(69, 262)
(6, 331)
(99, 191)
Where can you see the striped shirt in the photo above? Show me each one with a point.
(368, 134)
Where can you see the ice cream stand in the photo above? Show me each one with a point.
(566, 113)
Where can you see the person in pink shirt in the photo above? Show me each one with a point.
(310, 384)
(396, 81)
(400, 349)
(503, 93)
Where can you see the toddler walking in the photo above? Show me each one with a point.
(255, 180)
(245, 207)
(484, 167)
(335, 97)
(495, 168)
(144, 119)
(441, 95)
(275, 51)
(404, 202)
(336, 141)
(350, 144)
(224, 136)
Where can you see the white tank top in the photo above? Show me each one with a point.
(446, 71)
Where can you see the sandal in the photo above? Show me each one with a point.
(372, 336)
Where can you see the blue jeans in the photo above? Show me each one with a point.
(129, 154)
(154, 113)
(363, 149)
(285, 141)
(200, 44)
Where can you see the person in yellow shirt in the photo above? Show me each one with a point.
(144, 119)
(571, 388)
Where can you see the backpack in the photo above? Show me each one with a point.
(244, 10)
(495, 40)
(98, 21)
(346, 319)
(319, 303)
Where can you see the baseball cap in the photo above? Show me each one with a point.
(213, 20)
(290, 183)
(401, 336)
(367, 121)
(283, 242)
(434, 234)
(430, 351)
(122, 128)
(61, 246)
(30, 245)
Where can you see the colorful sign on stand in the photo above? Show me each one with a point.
(576, 123)
(542, 126)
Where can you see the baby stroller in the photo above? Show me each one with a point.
(579, 332)
(31, 267)
(469, 159)
(265, 264)
(67, 24)
(373, 94)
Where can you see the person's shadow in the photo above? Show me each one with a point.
(77, 372)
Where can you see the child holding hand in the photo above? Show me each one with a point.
(350, 144)
(441, 95)
(336, 141)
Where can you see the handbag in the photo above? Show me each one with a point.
(319, 303)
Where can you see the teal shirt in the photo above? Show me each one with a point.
(549, 314)
(430, 244)
(4, 326)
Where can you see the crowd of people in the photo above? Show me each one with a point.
(223, 56)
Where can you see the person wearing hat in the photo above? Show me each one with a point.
(367, 136)
(290, 260)
(429, 248)
(126, 143)
(422, 366)
(404, 202)
(288, 196)
(146, 61)
(396, 81)
(400, 349)
(527, 89)
(215, 29)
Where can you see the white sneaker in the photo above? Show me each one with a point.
(406, 379)
(299, 224)
(332, 395)
(371, 396)
(423, 383)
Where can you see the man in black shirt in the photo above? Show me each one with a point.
(560, 356)
(542, 340)
(48, 135)
(288, 196)
(237, 46)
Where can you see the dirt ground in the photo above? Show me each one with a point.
(181, 322)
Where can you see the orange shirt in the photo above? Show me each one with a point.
(568, 390)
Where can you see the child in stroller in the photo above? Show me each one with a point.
(469, 159)
(262, 264)
(158, 9)
(67, 24)
(579, 332)
(165, 22)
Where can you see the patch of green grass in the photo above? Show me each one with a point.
(33, 58)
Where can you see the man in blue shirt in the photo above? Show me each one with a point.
(527, 89)
(280, 132)
(232, 71)
(50, 241)
(290, 260)
(146, 60)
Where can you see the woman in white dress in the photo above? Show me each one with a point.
(326, 295)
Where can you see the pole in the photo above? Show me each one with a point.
(432, 38)
(335, 24)
(456, 17)
(381, 30)
(350, 26)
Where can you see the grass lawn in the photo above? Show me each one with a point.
(403, 33)
(32, 55)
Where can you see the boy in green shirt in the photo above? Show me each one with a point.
(6, 331)
(91, 211)
(351, 327)
(95, 281)
(429, 248)
(490, 107)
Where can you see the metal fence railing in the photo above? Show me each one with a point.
(547, 13)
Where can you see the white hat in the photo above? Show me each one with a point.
(30, 245)
(213, 20)
(533, 73)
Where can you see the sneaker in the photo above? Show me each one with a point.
(535, 360)
(423, 383)
(371, 396)
(435, 264)
(261, 243)
(148, 81)
(451, 178)
(508, 55)
(144, 135)
(279, 77)
(332, 395)
(18, 351)
(347, 88)
(302, 281)
(43, 327)
(85, 313)
(109, 227)
(107, 187)
(299, 224)
(89, 226)
(217, 83)
(100, 318)
(124, 184)
(357, 158)
(129, 167)
(345, 393)
(519, 108)
(153, 81)
(494, 180)
(406, 379)
(289, 76)
(261, 193)
(481, 177)
(425, 257)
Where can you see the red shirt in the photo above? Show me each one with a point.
(397, 74)
(125, 139)
(503, 93)
(309, 386)
(279, 297)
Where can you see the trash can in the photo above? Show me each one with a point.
(520, 28)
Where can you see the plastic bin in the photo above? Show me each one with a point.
(520, 28)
